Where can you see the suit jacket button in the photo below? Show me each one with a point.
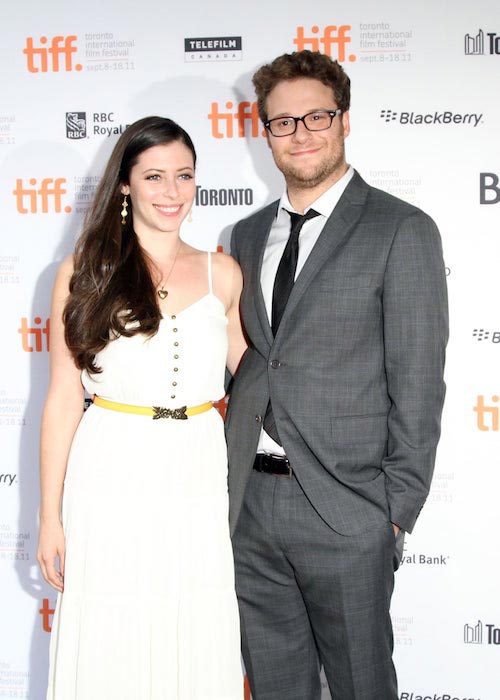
(275, 364)
(258, 419)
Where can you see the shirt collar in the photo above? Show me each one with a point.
(326, 203)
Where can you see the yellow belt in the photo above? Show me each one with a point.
(156, 412)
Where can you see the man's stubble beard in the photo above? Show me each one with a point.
(296, 179)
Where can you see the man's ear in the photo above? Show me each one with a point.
(346, 123)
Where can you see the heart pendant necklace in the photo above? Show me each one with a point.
(161, 291)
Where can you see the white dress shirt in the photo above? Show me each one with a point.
(278, 237)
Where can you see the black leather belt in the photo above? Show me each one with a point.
(273, 464)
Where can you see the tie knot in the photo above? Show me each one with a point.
(298, 220)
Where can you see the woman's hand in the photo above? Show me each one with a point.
(52, 551)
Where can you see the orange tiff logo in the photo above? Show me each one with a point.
(333, 36)
(47, 58)
(245, 116)
(488, 416)
(46, 612)
(32, 337)
(42, 198)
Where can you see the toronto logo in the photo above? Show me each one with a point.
(473, 634)
(474, 45)
(482, 43)
(481, 633)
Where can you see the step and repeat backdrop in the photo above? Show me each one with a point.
(425, 126)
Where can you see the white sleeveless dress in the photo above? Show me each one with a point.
(149, 610)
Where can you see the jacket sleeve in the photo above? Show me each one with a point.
(234, 244)
(415, 335)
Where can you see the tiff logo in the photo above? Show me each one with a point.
(474, 45)
(332, 36)
(36, 334)
(35, 200)
(46, 612)
(223, 123)
(488, 416)
(45, 59)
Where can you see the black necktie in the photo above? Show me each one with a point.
(285, 278)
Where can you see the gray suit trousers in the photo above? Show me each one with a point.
(310, 597)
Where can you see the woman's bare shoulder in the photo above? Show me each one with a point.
(225, 263)
(64, 272)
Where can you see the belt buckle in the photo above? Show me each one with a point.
(175, 413)
(281, 459)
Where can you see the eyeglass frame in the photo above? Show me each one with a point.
(332, 112)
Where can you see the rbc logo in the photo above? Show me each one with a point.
(76, 125)
(332, 36)
(45, 59)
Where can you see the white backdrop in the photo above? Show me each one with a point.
(425, 127)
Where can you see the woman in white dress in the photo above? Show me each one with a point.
(134, 516)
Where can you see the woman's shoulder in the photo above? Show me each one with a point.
(227, 276)
(224, 262)
(64, 272)
(67, 266)
(225, 270)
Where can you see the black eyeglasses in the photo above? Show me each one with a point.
(313, 121)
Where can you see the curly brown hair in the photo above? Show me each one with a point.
(111, 291)
(302, 64)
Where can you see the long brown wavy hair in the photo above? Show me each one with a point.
(111, 291)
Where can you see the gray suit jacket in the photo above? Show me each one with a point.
(355, 372)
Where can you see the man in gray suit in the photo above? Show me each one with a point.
(335, 410)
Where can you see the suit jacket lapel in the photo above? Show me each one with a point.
(335, 231)
(261, 235)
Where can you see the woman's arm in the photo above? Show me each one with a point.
(61, 414)
(236, 337)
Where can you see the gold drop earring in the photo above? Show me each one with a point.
(124, 210)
